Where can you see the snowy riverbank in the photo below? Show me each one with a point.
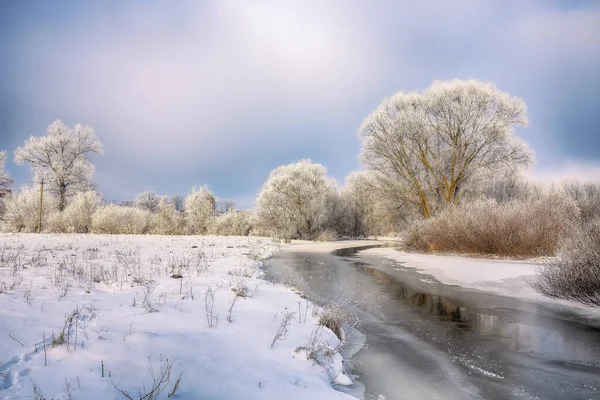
(134, 309)
(504, 277)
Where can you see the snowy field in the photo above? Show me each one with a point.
(117, 317)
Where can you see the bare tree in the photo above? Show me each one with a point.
(61, 158)
(426, 146)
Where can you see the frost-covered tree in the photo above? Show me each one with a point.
(296, 200)
(148, 201)
(426, 147)
(200, 210)
(360, 202)
(5, 180)
(61, 159)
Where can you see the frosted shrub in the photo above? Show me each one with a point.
(575, 273)
(296, 200)
(516, 228)
(113, 219)
(22, 210)
(233, 223)
(587, 197)
(167, 220)
(77, 216)
(200, 210)
(327, 235)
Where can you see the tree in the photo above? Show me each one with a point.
(200, 210)
(5, 180)
(61, 160)
(426, 147)
(296, 200)
(178, 202)
(360, 203)
(148, 201)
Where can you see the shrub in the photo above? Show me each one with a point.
(200, 210)
(515, 228)
(77, 216)
(587, 197)
(328, 235)
(167, 220)
(113, 219)
(575, 273)
(233, 223)
(334, 320)
(22, 210)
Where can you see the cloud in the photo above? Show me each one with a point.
(569, 170)
(188, 93)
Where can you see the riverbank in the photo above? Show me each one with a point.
(503, 277)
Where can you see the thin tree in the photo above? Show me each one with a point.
(424, 147)
(61, 159)
(5, 180)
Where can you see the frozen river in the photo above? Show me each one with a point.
(427, 340)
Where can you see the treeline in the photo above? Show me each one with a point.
(441, 168)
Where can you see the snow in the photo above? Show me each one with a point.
(464, 271)
(326, 247)
(133, 320)
(503, 277)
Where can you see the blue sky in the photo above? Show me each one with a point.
(184, 94)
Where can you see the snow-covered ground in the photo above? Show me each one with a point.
(137, 309)
(505, 277)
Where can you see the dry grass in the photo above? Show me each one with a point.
(515, 229)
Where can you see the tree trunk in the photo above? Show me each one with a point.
(62, 198)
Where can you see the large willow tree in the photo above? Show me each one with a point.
(426, 147)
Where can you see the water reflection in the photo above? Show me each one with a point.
(408, 321)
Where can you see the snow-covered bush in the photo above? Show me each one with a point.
(167, 220)
(200, 211)
(296, 201)
(575, 273)
(77, 216)
(22, 210)
(113, 219)
(516, 228)
(233, 223)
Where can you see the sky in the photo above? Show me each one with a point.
(188, 93)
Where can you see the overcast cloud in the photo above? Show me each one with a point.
(190, 93)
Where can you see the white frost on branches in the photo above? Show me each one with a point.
(5, 180)
(200, 210)
(297, 199)
(427, 147)
(61, 159)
